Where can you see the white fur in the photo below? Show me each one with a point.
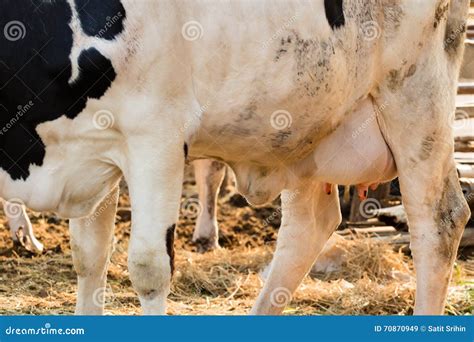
(218, 94)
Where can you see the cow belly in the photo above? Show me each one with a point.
(355, 153)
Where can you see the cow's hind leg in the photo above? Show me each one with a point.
(310, 216)
(436, 208)
(437, 212)
(154, 174)
(416, 120)
(209, 176)
(91, 244)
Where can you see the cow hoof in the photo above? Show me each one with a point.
(206, 244)
(27, 243)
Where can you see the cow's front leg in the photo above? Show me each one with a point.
(154, 175)
(209, 176)
(310, 215)
(92, 244)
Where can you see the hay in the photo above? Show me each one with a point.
(365, 258)
(375, 280)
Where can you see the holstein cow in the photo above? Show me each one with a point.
(270, 87)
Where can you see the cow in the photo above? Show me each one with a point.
(93, 90)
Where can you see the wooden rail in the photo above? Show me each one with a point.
(470, 23)
(470, 32)
(466, 88)
(390, 235)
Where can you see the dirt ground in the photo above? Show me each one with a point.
(375, 279)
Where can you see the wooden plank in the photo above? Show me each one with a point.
(465, 104)
(470, 26)
(370, 223)
(465, 101)
(463, 135)
(467, 68)
(466, 156)
(466, 88)
(381, 231)
(395, 216)
(463, 129)
(464, 138)
(402, 239)
(464, 147)
(465, 170)
(393, 237)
